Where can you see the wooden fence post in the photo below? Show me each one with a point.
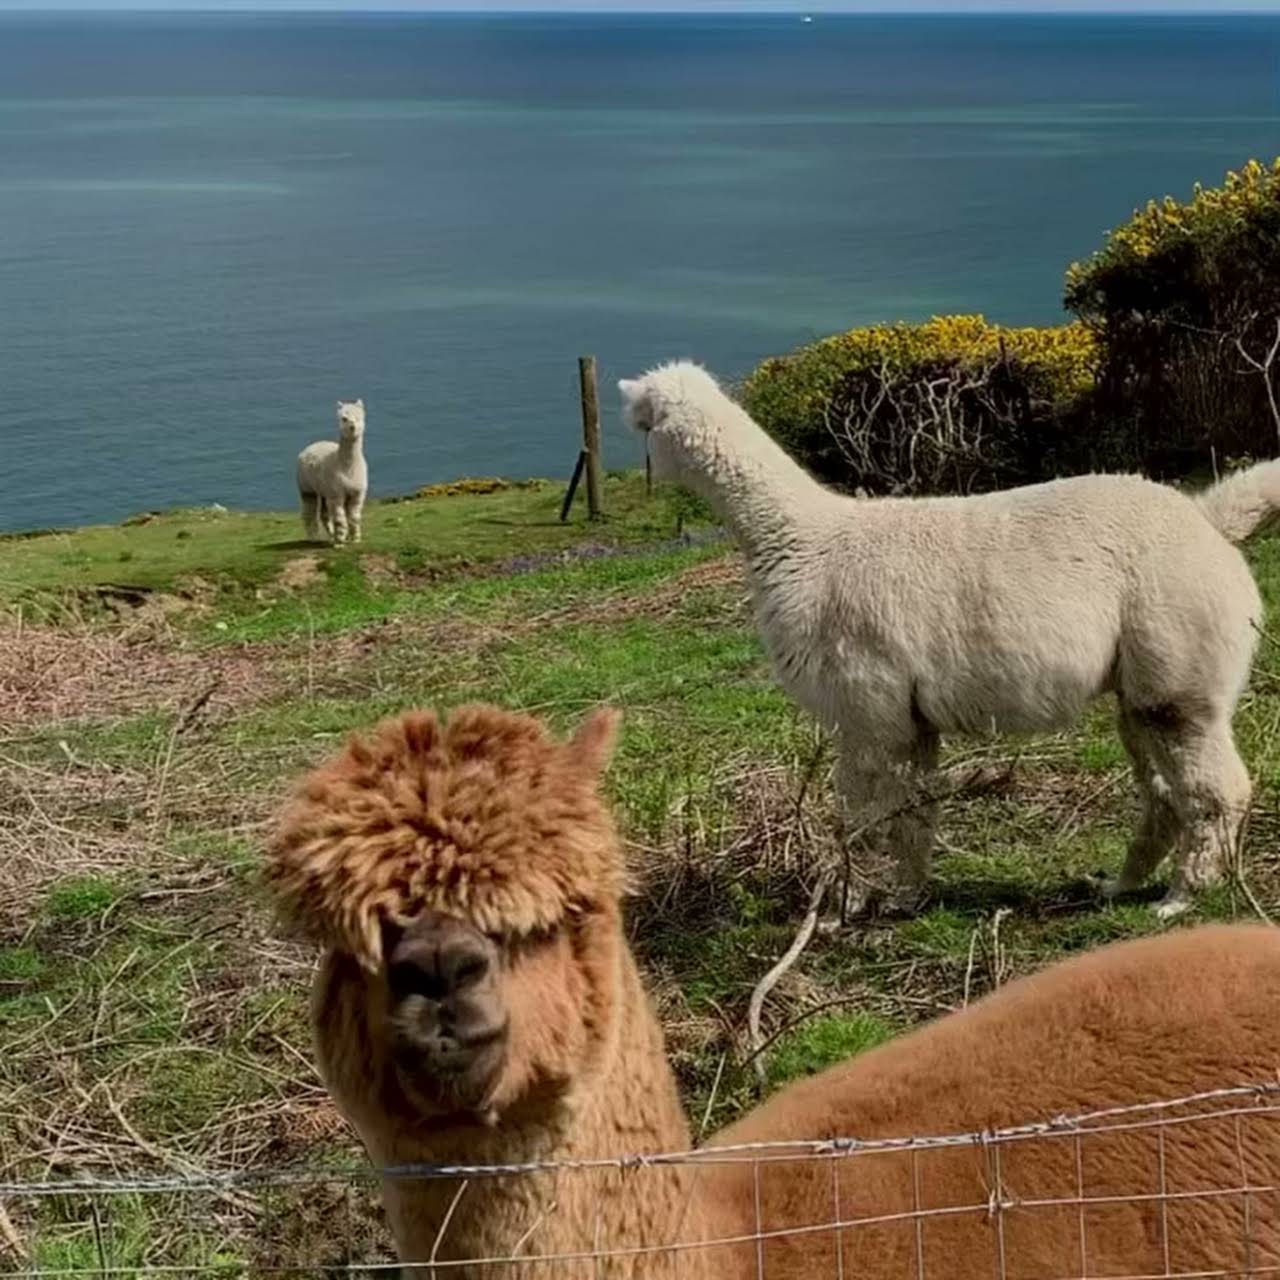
(591, 435)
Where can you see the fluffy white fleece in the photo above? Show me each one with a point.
(333, 479)
(896, 620)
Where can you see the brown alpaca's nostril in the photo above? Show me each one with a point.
(438, 957)
(463, 966)
(448, 1019)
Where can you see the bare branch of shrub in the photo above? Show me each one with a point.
(950, 427)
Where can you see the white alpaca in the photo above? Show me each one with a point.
(333, 479)
(895, 620)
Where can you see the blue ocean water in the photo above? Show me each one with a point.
(211, 227)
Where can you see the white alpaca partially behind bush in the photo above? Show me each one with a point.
(896, 620)
(333, 479)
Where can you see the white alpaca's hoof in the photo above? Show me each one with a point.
(1111, 887)
(1173, 905)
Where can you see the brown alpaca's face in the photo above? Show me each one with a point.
(476, 1023)
(465, 879)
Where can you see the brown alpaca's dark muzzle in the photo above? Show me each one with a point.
(449, 1020)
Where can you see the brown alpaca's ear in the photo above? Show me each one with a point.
(594, 740)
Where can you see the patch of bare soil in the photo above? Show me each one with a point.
(297, 574)
(381, 570)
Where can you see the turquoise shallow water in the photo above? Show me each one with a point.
(212, 227)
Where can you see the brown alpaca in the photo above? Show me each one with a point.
(478, 1004)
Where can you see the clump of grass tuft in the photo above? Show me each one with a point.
(19, 965)
(80, 897)
(823, 1041)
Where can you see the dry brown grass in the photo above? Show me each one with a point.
(55, 674)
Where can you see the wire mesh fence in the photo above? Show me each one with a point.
(1190, 1187)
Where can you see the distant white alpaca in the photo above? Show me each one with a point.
(895, 620)
(333, 479)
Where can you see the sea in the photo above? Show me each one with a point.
(213, 226)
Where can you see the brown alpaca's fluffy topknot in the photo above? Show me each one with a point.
(486, 817)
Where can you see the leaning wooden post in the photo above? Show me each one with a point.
(591, 435)
(573, 485)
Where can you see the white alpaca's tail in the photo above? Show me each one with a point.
(1243, 502)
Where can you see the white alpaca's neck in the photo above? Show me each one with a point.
(769, 503)
(348, 449)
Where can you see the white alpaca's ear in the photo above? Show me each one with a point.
(637, 404)
(595, 738)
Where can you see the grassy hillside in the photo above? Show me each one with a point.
(161, 682)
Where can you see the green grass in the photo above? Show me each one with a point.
(824, 1041)
(81, 896)
(119, 1235)
(346, 600)
(942, 933)
(142, 975)
(19, 964)
(231, 553)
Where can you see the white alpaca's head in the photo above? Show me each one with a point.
(680, 409)
(351, 419)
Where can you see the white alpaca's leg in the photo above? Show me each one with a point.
(338, 510)
(326, 517)
(888, 807)
(310, 514)
(913, 829)
(355, 515)
(1159, 825)
(860, 779)
(1209, 790)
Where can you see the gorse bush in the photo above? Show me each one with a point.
(1184, 300)
(1174, 358)
(952, 405)
(1176, 256)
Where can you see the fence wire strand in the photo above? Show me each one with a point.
(1233, 1104)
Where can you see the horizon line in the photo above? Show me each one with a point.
(877, 8)
(730, 7)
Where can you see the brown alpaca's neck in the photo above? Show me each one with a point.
(630, 1108)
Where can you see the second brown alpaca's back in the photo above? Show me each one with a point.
(1151, 1020)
